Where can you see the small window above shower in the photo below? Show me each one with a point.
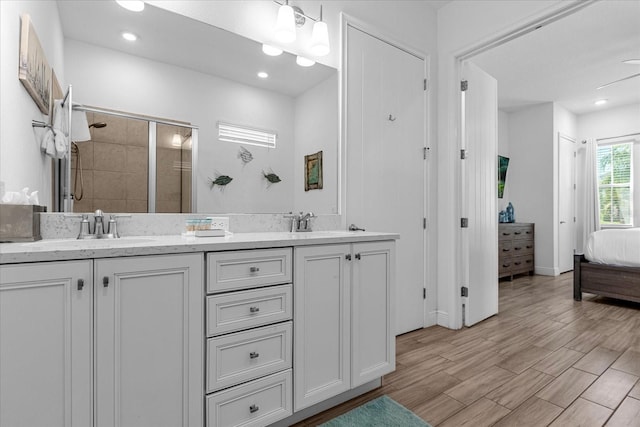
(246, 135)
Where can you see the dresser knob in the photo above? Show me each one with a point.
(254, 309)
(254, 269)
(80, 284)
(254, 355)
(254, 408)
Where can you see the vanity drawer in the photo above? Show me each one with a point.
(243, 356)
(228, 271)
(257, 403)
(247, 309)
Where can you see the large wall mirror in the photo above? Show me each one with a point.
(182, 70)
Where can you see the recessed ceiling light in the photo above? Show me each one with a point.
(600, 102)
(132, 5)
(304, 62)
(263, 75)
(271, 50)
(631, 61)
(129, 36)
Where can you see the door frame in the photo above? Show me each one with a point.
(451, 316)
(429, 177)
(573, 141)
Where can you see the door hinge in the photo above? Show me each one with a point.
(425, 150)
(424, 223)
(424, 293)
(464, 222)
(574, 186)
(463, 154)
(425, 84)
(574, 219)
(464, 291)
(464, 85)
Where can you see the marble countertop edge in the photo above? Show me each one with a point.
(72, 249)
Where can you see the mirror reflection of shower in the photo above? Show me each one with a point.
(111, 171)
(79, 190)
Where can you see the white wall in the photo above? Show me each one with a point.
(608, 123)
(531, 172)
(114, 80)
(316, 129)
(21, 162)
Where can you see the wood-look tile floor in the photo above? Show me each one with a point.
(543, 360)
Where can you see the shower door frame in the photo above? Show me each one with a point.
(151, 183)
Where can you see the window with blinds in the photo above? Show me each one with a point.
(614, 164)
(245, 135)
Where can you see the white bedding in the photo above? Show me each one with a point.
(615, 247)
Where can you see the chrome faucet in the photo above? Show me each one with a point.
(300, 222)
(98, 226)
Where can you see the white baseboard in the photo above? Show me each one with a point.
(432, 318)
(443, 318)
(547, 271)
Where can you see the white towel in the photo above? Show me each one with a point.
(47, 143)
(60, 130)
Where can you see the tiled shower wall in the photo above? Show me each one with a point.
(114, 166)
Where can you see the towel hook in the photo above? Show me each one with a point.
(391, 118)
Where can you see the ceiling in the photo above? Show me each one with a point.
(175, 39)
(565, 61)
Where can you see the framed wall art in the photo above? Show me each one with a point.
(33, 69)
(313, 171)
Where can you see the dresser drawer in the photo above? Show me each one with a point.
(522, 263)
(505, 233)
(243, 356)
(504, 266)
(257, 403)
(522, 247)
(505, 248)
(236, 270)
(524, 231)
(247, 309)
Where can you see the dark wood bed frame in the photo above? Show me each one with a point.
(606, 280)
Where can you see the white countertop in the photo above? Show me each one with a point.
(67, 249)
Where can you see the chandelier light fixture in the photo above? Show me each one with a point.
(292, 17)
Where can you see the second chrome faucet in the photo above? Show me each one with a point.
(98, 227)
(300, 222)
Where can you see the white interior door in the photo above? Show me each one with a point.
(566, 202)
(385, 168)
(479, 241)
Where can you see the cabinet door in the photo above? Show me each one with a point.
(45, 344)
(372, 330)
(149, 341)
(321, 323)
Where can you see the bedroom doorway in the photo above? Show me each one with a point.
(566, 202)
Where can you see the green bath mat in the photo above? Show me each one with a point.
(380, 412)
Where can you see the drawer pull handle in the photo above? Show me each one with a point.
(528, 261)
(517, 232)
(358, 256)
(528, 232)
(517, 263)
(105, 281)
(506, 234)
(347, 257)
(80, 284)
(254, 269)
(506, 265)
(529, 246)
(254, 408)
(254, 309)
(254, 355)
(517, 248)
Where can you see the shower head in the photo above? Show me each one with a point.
(98, 125)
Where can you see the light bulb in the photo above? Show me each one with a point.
(285, 30)
(320, 39)
(304, 62)
(129, 36)
(263, 75)
(600, 102)
(271, 50)
(176, 141)
(132, 5)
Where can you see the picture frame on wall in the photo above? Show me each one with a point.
(313, 171)
(33, 69)
(503, 165)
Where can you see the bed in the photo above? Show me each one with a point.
(610, 265)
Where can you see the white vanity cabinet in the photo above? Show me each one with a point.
(45, 344)
(249, 337)
(105, 342)
(343, 318)
(149, 326)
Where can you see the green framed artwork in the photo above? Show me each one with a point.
(503, 164)
(313, 171)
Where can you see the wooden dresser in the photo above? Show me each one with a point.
(516, 249)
